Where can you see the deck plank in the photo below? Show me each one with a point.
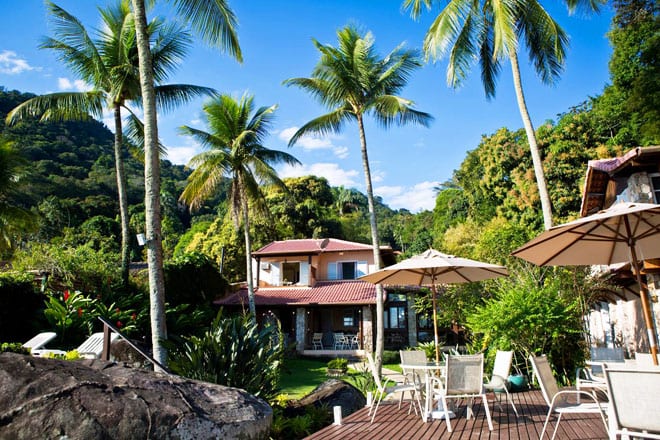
(393, 423)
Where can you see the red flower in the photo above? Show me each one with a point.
(119, 324)
(66, 295)
(133, 316)
(80, 311)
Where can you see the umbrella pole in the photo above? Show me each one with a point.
(643, 296)
(435, 323)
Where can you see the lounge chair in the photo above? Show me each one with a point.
(90, 349)
(382, 390)
(499, 379)
(39, 340)
(557, 400)
(634, 399)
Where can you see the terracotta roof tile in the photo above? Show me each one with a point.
(323, 293)
(310, 246)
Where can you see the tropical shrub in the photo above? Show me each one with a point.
(531, 314)
(13, 347)
(338, 364)
(234, 352)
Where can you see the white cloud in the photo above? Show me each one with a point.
(312, 143)
(331, 171)
(418, 198)
(181, 155)
(78, 85)
(10, 64)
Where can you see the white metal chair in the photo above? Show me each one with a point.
(634, 397)
(39, 341)
(317, 341)
(499, 379)
(339, 341)
(591, 376)
(383, 390)
(465, 379)
(557, 400)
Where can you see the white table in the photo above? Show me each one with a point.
(430, 370)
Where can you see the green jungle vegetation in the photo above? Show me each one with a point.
(59, 216)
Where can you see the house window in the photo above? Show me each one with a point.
(290, 273)
(349, 318)
(655, 183)
(395, 312)
(347, 270)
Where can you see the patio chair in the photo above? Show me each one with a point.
(557, 400)
(354, 342)
(411, 377)
(91, 348)
(383, 390)
(634, 399)
(499, 379)
(39, 341)
(591, 376)
(317, 341)
(464, 379)
(339, 341)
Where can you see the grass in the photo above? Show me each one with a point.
(301, 375)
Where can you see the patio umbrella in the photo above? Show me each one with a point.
(431, 268)
(626, 232)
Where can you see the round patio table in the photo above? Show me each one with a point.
(430, 370)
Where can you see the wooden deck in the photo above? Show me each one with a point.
(392, 423)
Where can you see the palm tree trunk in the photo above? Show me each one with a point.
(380, 306)
(123, 198)
(151, 188)
(546, 207)
(248, 257)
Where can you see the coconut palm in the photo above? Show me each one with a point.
(494, 31)
(353, 82)
(108, 63)
(216, 23)
(234, 149)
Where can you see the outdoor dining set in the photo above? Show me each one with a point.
(625, 396)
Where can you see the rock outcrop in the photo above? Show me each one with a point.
(93, 399)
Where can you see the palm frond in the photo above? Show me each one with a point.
(214, 21)
(323, 125)
(445, 29)
(504, 24)
(170, 96)
(393, 109)
(134, 133)
(415, 7)
(59, 107)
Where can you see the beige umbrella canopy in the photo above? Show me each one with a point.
(431, 268)
(626, 232)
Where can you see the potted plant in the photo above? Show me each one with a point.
(337, 367)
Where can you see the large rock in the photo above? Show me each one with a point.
(92, 399)
(331, 393)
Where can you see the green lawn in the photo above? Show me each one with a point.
(300, 376)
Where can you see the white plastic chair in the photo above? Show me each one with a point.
(39, 341)
(634, 396)
(317, 341)
(339, 341)
(383, 390)
(410, 377)
(557, 400)
(499, 379)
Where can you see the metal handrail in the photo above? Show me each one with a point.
(107, 327)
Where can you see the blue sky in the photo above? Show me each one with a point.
(276, 39)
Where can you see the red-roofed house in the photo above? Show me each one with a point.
(311, 286)
(616, 318)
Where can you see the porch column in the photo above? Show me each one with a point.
(412, 320)
(368, 342)
(301, 327)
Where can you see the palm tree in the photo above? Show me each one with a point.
(215, 22)
(493, 31)
(234, 149)
(109, 64)
(353, 81)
